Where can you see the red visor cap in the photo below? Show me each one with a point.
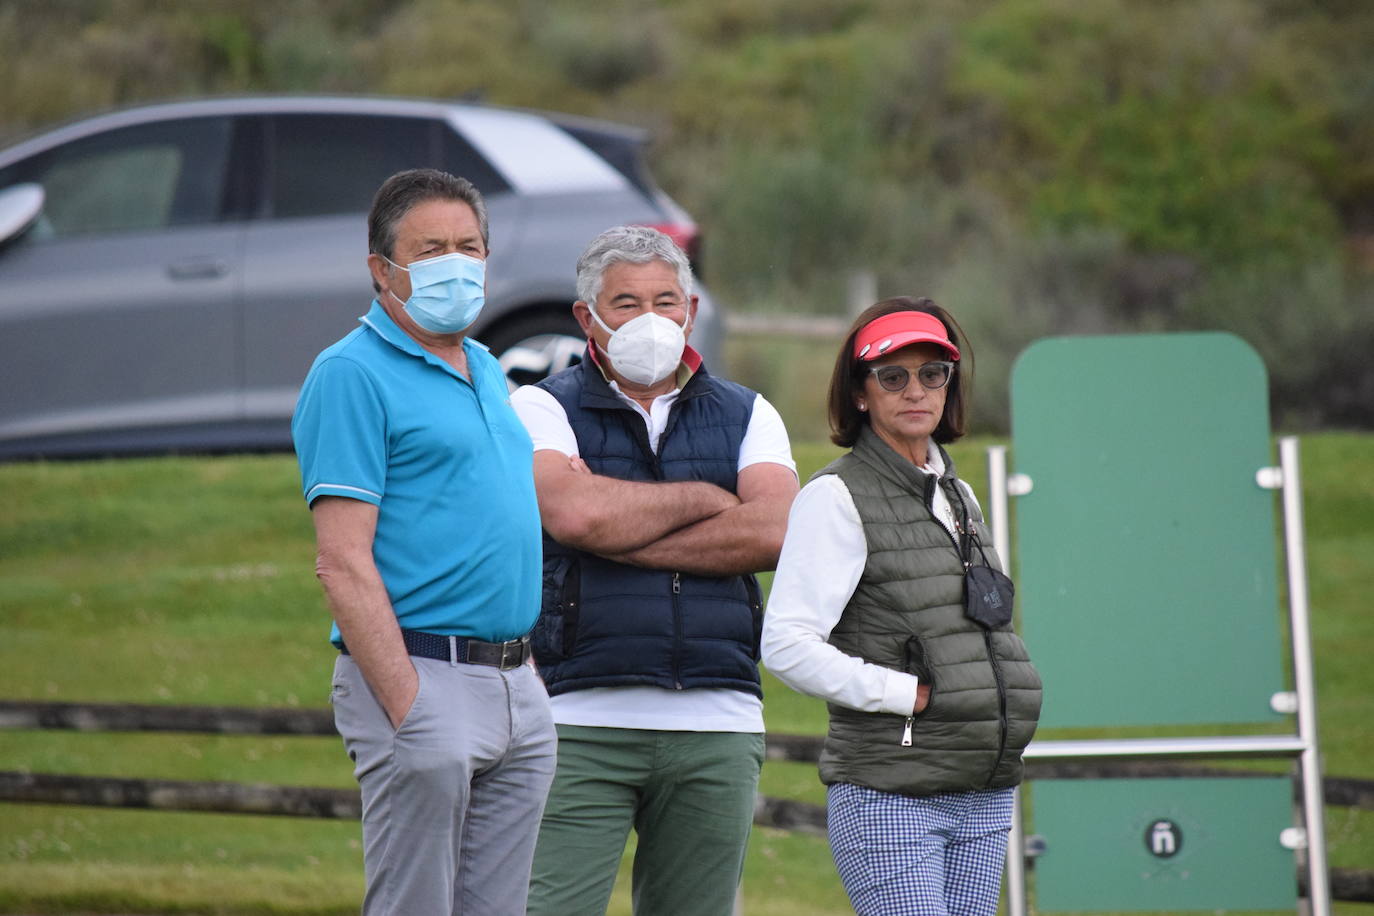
(891, 332)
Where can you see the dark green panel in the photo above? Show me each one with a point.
(1170, 845)
(1146, 551)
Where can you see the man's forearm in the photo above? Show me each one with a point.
(608, 516)
(744, 539)
(360, 605)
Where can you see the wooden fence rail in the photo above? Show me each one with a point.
(180, 795)
(240, 720)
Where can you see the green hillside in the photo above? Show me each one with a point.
(1040, 166)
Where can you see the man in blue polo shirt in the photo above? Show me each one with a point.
(419, 479)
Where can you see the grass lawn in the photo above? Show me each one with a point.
(189, 581)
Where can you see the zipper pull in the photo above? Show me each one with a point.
(906, 732)
(677, 584)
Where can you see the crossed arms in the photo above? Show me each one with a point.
(689, 526)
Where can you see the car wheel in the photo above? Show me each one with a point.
(534, 346)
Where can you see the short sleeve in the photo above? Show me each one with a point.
(766, 438)
(545, 420)
(339, 430)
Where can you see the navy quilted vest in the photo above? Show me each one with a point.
(605, 624)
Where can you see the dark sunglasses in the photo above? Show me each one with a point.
(934, 375)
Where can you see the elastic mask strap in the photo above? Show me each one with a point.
(401, 301)
(597, 319)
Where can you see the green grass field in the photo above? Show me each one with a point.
(190, 581)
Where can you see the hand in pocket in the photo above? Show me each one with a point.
(922, 699)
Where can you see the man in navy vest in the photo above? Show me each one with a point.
(662, 490)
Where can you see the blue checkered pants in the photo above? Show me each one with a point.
(941, 855)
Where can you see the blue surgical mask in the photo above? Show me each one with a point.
(446, 293)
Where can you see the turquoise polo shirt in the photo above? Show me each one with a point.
(449, 467)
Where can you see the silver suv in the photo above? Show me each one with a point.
(167, 273)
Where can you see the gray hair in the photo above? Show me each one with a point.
(630, 245)
(403, 191)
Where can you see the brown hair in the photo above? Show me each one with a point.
(405, 190)
(847, 381)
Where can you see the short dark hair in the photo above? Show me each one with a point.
(402, 191)
(846, 420)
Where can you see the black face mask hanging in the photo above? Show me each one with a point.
(988, 594)
(988, 597)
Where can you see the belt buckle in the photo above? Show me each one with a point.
(505, 664)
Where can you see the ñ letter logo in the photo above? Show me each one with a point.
(1163, 839)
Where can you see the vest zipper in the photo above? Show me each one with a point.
(987, 642)
(677, 632)
(958, 552)
(1001, 707)
(958, 526)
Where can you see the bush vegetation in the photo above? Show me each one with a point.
(1041, 166)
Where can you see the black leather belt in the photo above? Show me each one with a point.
(504, 655)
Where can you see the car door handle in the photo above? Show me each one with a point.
(197, 269)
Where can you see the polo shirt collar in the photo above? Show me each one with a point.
(387, 329)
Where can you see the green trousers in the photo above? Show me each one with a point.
(689, 797)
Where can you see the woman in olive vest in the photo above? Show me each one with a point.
(889, 603)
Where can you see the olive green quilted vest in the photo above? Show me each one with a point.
(907, 613)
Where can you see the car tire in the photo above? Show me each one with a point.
(535, 345)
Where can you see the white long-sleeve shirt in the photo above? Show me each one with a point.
(822, 560)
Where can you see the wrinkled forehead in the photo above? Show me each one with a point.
(641, 280)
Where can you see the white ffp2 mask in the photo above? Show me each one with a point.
(647, 348)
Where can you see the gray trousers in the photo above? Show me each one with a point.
(451, 799)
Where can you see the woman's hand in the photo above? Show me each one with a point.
(922, 699)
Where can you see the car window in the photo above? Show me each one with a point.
(327, 164)
(147, 176)
(460, 158)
